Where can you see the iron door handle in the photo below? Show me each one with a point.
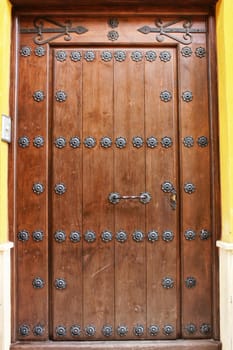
(115, 197)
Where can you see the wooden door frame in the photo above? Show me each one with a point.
(130, 7)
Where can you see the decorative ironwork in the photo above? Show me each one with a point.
(90, 142)
(137, 141)
(187, 96)
(168, 329)
(75, 236)
(89, 56)
(202, 141)
(25, 51)
(166, 142)
(190, 235)
(137, 56)
(61, 55)
(166, 29)
(205, 234)
(107, 331)
(38, 330)
(24, 330)
(153, 236)
(60, 96)
(188, 141)
(205, 328)
(38, 188)
(60, 236)
(138, 236)
(37, 236)
(138, 330)
(106, 56)
(60, 189)
(106, 142)
(75, 142)
(190, 282)
(165, 96)
(190, 328)
(75, 56)
(165, 56)
(106, 236)
(60, 283)
(167, 282)
(90, 236)
(120, 142)
(167, 187)
(38, 141)
(153, 330)
(186, 51)
(113, 22)
(120, 56)
(113, 35)
(189, 188)
(23, 235)
(38, 283)
(60, 30)
(152, 142)
(122, 330)
(168, 236)
(90, 331)
(61, 331)
(40, 51)
(38, 96)
(121, 236)
(200, 52)
(150, 56)
(60, 142)
(24, 141)
(75, 330)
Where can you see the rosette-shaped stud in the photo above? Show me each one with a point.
(24, 141)
(187, 96)
(106, 142)
(60, 283)
(38, 96)
(168, 329)
(38, 283)
(138, 236)
(60, 189)
(153, 236)
(165, 56)
(75, 236)
(107, 330)
(37, 235)
(90, 330)
(75, 330)
(189, 188)
(167, 187)
(38, 142)
(137, 141)
(152, 142)
(90, 236)
(38, 330)
(122, 331)
(25, 51)
(60, 236)
(138, 330)
(89, 56)
(150, 56)
(136, 56)
(166, 142)
(190, 328)
(190, 282)
(205, 329)
(120, 142)
(168, 236)
(106, 236)
(60, 96)
(75, 142)
(60, 142)
(200, 52)
(186, 51)
(106, 56)
(121, 236)
(24, 330)
(165, 96)
(75, 56)
(188, 141)
(23, 235)
(40, 51)
(202, 141)
(61, 331)
(38, 188)
(90, 142)
(167, 282)
(61, 55)
(205, 234)
(153, 330)
(190, 235)
(120, 56)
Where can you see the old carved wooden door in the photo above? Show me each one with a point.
(114, 233)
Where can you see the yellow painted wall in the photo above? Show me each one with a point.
(225, 77)
(5, 28)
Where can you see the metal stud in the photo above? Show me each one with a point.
(38, 330)
(120, 56)
(138, 236)
(38, 188)
(40, 51)
(37, 236)
(189, 188)
(60, 236)
(122, 331)
(153, 330)
(61, 331)
(60, 189)
(61, 55)
(136, 56)
(205, 328)
(186, 51)
(75, 142)
(188, 141)
(38, 141)
(166, 142)
(167, 187)
(138, 330)
(75, 330)
(60, 283)
(25, 51)
(38, 283)
(167, 282)
(106, 56)
(38, 96)
(205, 234)
(113, 35)
(137, 141)
(60, 96)
(107, 331)
(190, 282)
(89, 56)
(187, 96)
(106, 142)
(24, 141)
(106, 236)
(190, 235)
(90, 331)
(165, 56)
(190, 328)
(75, 56)
(202, 141)
(121, 236)
(200, 52)
(113, 22)
(153, 236)
(152, 142)
(75, 236)
(24, 330)
(60, 142)
(120, 142)
(150, 56)
(165, 96)
(168, 329)
(168, 236)
(90, 236)
(90, 142)
(23, 235)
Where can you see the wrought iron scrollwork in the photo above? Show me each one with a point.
(38, 330)
(23, 235)
(138, 330)
(121, 236)
(190, 328)
(38, 283)
(75, 330)
(40, 51)
(153, 236)
(138, 236)
(205, 328)
(38, 141)
(24, 330)
(168, 236)
(90, 236)
(24, 141)
(107, 330)
(167, 282)
(37, 236)
(38, 96)
(165, 96)
(60, 283)
(60, 142)
(60, 96)
(61, 331)
(60, 189)
(90, 330)
(188, 141)
(25, 51)
(75, 236)
(190, 282)
(75, 56)
(75, 142)
(205, 234)
(38, 188)
(151, 56)
(189, 188)
(168, 329)
(60, 236)
(61, 55)
(122, 331)
(190, 235)
(153, 330)
(106, 236)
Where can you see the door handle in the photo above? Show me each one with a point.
(115, 197)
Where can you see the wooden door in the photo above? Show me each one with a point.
(114, 233)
